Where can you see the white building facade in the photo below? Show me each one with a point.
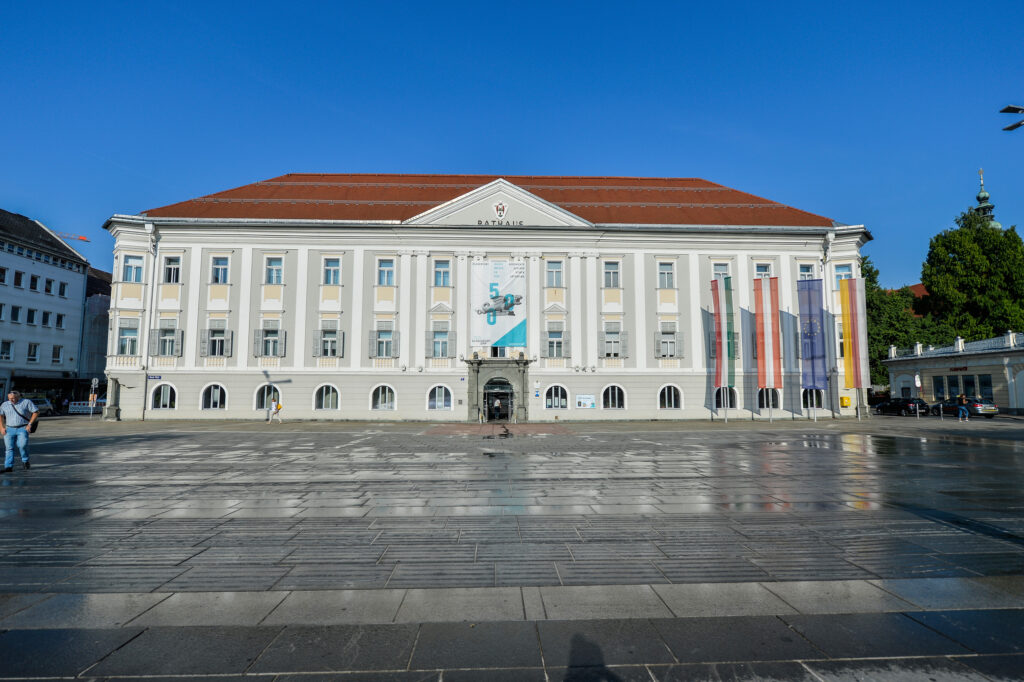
(42, 298)
(367, 298)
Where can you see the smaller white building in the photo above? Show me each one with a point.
(42, 302)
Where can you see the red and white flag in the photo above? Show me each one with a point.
(769, 339)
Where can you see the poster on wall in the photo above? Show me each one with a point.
(585, 402)
(498, 295)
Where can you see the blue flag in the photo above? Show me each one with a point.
(812, 334)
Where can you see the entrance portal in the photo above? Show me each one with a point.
(498, 397)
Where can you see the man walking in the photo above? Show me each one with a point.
(17, 415)
(961, 408)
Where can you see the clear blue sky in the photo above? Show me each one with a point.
(873, 113)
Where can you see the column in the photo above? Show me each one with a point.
(576, 330)
(356, 333)
(192, 323)
(698, 352)
(243, 337)
(405, 284)
(422, 284)
(638, 344)
(592, 284)
(301, 304)
(460, 302)
(534, 294)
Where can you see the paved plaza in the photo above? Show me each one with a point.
(839, 550)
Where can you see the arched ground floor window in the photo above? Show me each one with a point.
(669, 398)
(164, 397)
(767, 397)
(215, 397)
(725, 397)
(812, 397)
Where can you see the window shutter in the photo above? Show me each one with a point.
(282, 349)
(229, 338)
(544, 345)
(624, 344)
(657, 344)
(318, 338)
(451, 344)
(395, 341)
(601, 348)
(679, 345)
(341, 344)
(566, 346)
(797, 344)
(712, 350)
(154, 341)
(257, 343)
(753, 345)
(372, 345)
(204, 343)
(179, 342)
(430, 344)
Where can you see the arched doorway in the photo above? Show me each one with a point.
(498, 397)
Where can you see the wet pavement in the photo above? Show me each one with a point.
(841, 550)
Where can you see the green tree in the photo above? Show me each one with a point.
(891, 322)
(974, 274)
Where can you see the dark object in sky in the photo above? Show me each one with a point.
(1013, 109)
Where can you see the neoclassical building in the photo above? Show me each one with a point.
(461, 297)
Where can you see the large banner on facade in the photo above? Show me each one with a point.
(812, 334)
(855, 333)
(498, 297)
(769, 338)
(725, 332)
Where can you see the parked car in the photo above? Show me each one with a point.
(902, 406)
(42, 404)
(976, 407)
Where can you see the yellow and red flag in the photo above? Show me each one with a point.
(855, 333)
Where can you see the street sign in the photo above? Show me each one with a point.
(95, 382)
(154, 377)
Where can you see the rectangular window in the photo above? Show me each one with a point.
(48, 286)
(46, 318)
(384, 343)
(19, 278)
(172, 269)
(720, 270)
(556, 340)
(386, 273)
(762, 270)
(271, 343)
(132, 269)
(953, 385)
(332, 271)
(30, 316)
(3, 307)
(329, 343)
(216, 341)
(497, 351)
(554, 269)
(6, 350)
(806, 271)
(666, 276)
(611, 275)
(440, 344)
(985, 387)
(840, 340)
(3, 275)
(843, 272)
(33, 352)
(62, 289)
(15, 313)
(58, 355)
(667, 340)
(275, 270)
(219, 270)
(60, 321)
(970, 388)
(939, 388)
(127, 341)
(442, 278)
(612, 340)
(166, 345)
(33, 282)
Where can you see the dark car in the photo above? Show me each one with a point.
(976, 407)
(902, 406)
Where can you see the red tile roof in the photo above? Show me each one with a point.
(319, 196)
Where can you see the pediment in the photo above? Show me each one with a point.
(557, 309)
(442, 308)
(501, 204)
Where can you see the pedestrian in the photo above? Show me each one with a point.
(276, 413)
(64, 405)
(497, 409)
(961, 408)
(17, 418)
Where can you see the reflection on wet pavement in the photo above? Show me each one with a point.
(360, 510)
